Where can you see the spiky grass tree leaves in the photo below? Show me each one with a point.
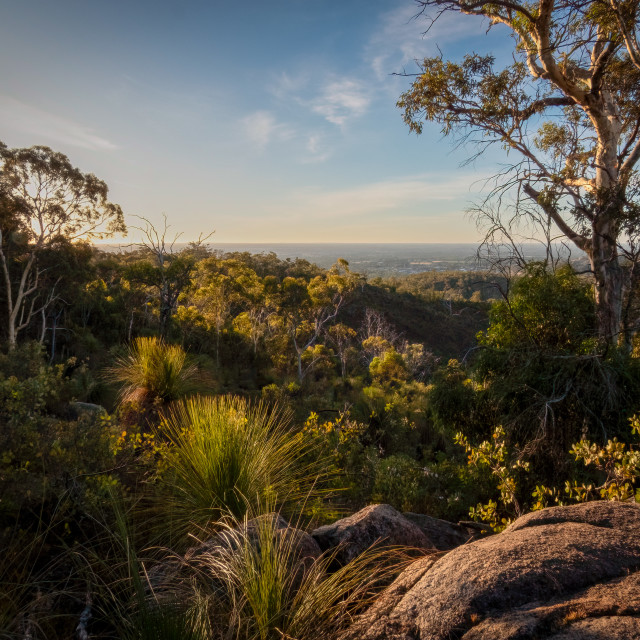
(154, 369)
(260, 588)
(227, 457)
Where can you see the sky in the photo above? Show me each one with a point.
(262, 121)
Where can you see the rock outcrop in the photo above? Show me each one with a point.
(376, 524)
(565, 573)
(442, 535)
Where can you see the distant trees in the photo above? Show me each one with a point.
(221, 285)
(309, 308)
(168, 271)
(567, 110)
(44, 200)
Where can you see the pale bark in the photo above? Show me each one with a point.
(572, 59)
(16, 303)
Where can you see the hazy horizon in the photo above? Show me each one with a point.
(369, 258)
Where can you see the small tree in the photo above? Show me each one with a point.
(44, 198)
(342, 338)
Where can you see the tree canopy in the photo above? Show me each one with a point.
(567, 109)
(44, 199)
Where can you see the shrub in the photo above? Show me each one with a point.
(227, 456)
(264, 590)
(399, 482)
(154, 369)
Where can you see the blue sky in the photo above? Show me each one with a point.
(264, 121)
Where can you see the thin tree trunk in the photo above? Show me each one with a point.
(130, 327)
(54, 328)
(15, 305)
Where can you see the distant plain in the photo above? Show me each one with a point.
(371, 259)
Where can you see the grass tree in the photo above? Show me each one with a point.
(229, 457)
(153, 369)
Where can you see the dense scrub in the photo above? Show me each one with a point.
(152, 402)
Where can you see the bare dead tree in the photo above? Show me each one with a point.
(171, 268)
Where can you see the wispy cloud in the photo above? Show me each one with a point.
(402, 36)
(261, 128)
(398, 40)
(338, 99)
(285, 85)
(341, 100)
(23, 117)
(317, 149)
(385, 195)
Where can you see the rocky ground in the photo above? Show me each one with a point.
(563, 573)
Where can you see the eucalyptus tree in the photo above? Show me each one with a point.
(308, 308)
(43, 199)
(222, 290)
(566, 109)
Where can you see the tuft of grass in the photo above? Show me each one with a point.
(154, 369)
(227, 456)
(254, 585)
(36, 587)
(124, 602)
(263, 590)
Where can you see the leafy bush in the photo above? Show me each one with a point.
(541, 374)
(389, 368)
(551, 311)
(614, 475)
(399, 482)
(45, 451)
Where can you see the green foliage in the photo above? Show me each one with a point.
(44, 453)
(455, 286)
(389, 369)
(227, 456)
(114, 565)
(541, 376)
(266, 591)
(47, 203)
(505, 464)
(253, 320)
(340, 443)
(399, 482)
(550, 312)
(617, 462)
(616, 466)
(24, 397)
(154, 369)
(452, 397)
